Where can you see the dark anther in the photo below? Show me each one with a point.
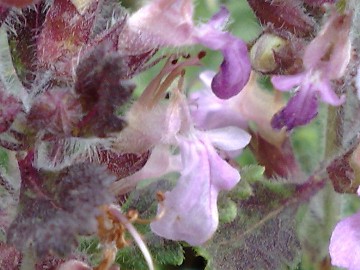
(201, 54)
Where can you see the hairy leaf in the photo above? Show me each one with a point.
(10, 258)
(55, 208)
(108, 12)
(123, 165)
(3, 14)
(12, 86)
(56, 111)
(101, 91)
(65, 30)
(284, 14)
(10, 107)
(9, 190)
(26, 27)
(62, 152)
(17, 3)
(316, 223)
(263, 234)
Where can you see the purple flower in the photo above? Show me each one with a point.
(190, 209)
(345, 243)
(164, 126)
(169, 23)
(325, 59)
(208, 111)
(252, 104)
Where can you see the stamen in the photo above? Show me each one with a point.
(155, 90)
(176, 72)
(154, 84)
(116, 212)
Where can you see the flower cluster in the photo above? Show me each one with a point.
(78, 144)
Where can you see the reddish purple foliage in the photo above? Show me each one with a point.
(123, 165)
(18, 3)
(55, 207)
(10, 107)
(284, 14)
(57, 111)
(10, 258)
(63, 33)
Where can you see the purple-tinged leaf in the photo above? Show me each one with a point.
(3, 14)
(9, 199)
(23, 38)
(263, 235)
(300, 110)
(57, 207)
(284, 14)
(277, 160)
(59, 153)
(18, 3)
(101, 88)
(123, 165)
(318, 2)
(52, 262)
(341, 174)
(107, 14)
(57, 111)
(11, 85)
(10, 258)
(64, 32)
(9, 109)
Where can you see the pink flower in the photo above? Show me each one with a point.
(190, 209)
(345, 243)
(325, 59)
(169, 23)
(164, 126)
(252, 104)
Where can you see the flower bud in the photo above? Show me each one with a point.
(262, 54)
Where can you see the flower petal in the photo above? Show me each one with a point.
(345, 243)
(286, 82)
(328, 95)
(235, 69)
(209, 112)
(190, 209)
(229, 138)
(300, 110)
(164, 22)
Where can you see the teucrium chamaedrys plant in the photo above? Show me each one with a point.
(248, 177)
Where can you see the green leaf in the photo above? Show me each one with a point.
(249, 174)
(164, 252)
(227, 210)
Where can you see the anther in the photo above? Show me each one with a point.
(201, 54)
